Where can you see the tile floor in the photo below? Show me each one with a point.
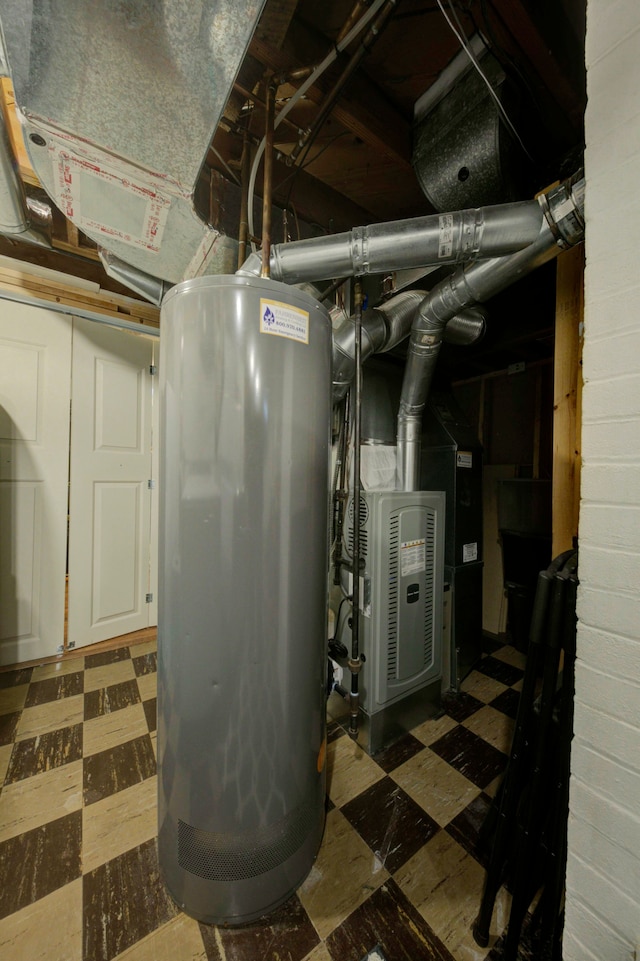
(397, 868)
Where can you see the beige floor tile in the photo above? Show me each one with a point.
(492, 789)
(104, 732)
(36, 800)
(5, 757)
(148, 686)
(178, 940)
(345, 873)
(137, 650)
(50, 716)
(13, 698)
(429, 731)
(518, 685)
(108, 674)
(70, 665)
(437, 787)
(349, 770)
(444, 883)
(319, 953)
(493, 726)
(118, 823)
(483, 687)
(47, 930)
(509, 655)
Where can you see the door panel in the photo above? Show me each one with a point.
(35, 372)
(109, 534)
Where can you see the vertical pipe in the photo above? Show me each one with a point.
(268, 181)
(355, 661)
(245, 170)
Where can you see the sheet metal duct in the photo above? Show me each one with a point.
(562, 227)
(245, 411)
(120, 102)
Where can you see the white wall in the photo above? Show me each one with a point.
(603, 872)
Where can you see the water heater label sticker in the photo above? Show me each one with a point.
(445, 241)
(284, 321)
(464, 458)
(412, 557)
(469, 553)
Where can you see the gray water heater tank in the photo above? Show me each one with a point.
(245, 386)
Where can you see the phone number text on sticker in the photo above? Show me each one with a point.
(282, 320)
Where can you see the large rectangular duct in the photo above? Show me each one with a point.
(119, 103)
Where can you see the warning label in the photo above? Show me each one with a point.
(445, 243)
(284, 321)
(412, 557)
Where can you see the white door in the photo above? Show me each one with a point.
(110, 494)
(35, 370)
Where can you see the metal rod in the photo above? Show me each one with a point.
(245, 170)
(340, 492)
(355, 661)
(268, 181)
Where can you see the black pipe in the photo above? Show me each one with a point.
(340, 493)
(355, 662)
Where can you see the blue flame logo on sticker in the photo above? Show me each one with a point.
(268, 317)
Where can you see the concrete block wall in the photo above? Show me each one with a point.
(603, 870)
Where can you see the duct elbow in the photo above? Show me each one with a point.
(252, 267)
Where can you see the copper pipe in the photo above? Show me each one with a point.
(355, 14)
(245, 169)
(260, 102)
(267, 188)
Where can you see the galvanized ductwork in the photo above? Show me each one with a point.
(19, 218)
(438, 239)
(562, 227)
(387, 325)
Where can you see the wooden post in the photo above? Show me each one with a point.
(567, 394)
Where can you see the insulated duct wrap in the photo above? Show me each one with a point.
(245, 413)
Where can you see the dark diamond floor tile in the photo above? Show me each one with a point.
(499, 670)
(107, 657)
(460, 706)
(123, 901)
(386, 918)
(393, 825)
(389, 758)
(40, 861)
(117, 768)
(106, 700)
(465, 828)
(334, 731)
(491, 644)
(469, 754)
(55, 688)
(8, 727)
(151, 713)
(145, 664)
(45, 752)
(15, 678)
(285, 935)
(507, 702)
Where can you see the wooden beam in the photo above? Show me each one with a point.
(361, 110)
(314, 200)
(523, 30)
(567, 394)
(19, 280)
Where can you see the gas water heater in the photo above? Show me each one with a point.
(245, 371)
